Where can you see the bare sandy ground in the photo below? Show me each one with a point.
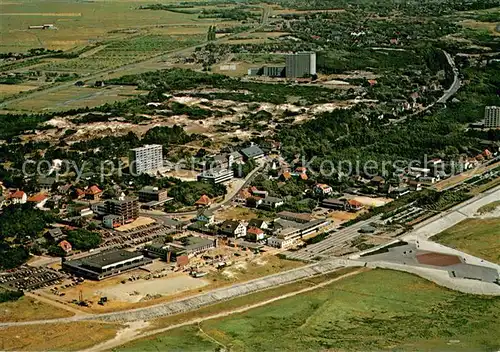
(136, 291)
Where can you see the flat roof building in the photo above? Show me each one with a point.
(216, 175)
(299, 65)
(105, 264)
(153, 196)
(492, 117)
(128, 208)
(148, 158)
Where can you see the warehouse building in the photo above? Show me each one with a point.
(105, 264)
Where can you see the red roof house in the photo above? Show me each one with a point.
(204, 201)
(66, 246)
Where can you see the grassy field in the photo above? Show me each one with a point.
(76, 97)
(79, 23)
(405, 313)
(27, 308)
(488, 208)
(55, 337)
(479, 237)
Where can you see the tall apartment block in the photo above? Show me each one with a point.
(492, 117)
(300, 64)
(146, 158)
(126, 208)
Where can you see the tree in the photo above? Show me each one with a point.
(83, 239)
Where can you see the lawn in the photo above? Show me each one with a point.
(479, 237)
(55, 337)
(375, 310)
(27, 308)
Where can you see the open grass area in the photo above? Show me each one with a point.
(488, 208)
(77, 97)
(479, 237)
(27, 308)
(55, 337)
(375, 310)
(78, 23)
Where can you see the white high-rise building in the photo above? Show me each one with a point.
(492, 117)
(300, 64)
(146, 158)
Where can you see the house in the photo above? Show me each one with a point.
(272, 202)
(242, 196)
(258, 223)
(78, 193)
(65, 246)
(282, 243)
(285, 176)
(55, 235)
(38, 200)
(377, 181)
(206, 216)
(337, 204)
(323, 189)
(487, 154)
(252, 153)
(232, 228)
(204, 201)
(18, 197)
(112, 221)
(93, 193)
(258, 193)
(255, 234)
(355, 206)
(46, 183)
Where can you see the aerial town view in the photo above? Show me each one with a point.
(240, 175)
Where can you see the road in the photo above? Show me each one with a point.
(455, 86)
(334, 241)
(102, 75)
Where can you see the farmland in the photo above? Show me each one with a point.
(478, 237)
(406, 313)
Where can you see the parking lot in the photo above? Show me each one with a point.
(30, 278)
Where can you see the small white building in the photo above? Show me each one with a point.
(282, 243)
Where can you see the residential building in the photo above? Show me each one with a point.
(258, 223)
(232, 228)
(93, 193)
(55, 235)
(153, 194)
(111, 221)
(323, 189)
(128, 208)
(272, 202)
(66, 246)
(216, 175)
(206, 216)
(258, 193)
(255, 234)
(105, 264)
(45, 183)
(492, 117)
(252, 153)
(18, 197)
(38, 200)
(204, 201)
(355, 206)
(148, 158)
(300, 64)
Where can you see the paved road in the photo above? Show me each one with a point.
(334, 241)
(455, 86)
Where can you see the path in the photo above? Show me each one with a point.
(122, 339)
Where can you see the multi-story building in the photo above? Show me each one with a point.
(128, 208)
(153, 194)
(274, 71)
(301, 64)
(216, 175)
(492, 117)
(147, 158)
